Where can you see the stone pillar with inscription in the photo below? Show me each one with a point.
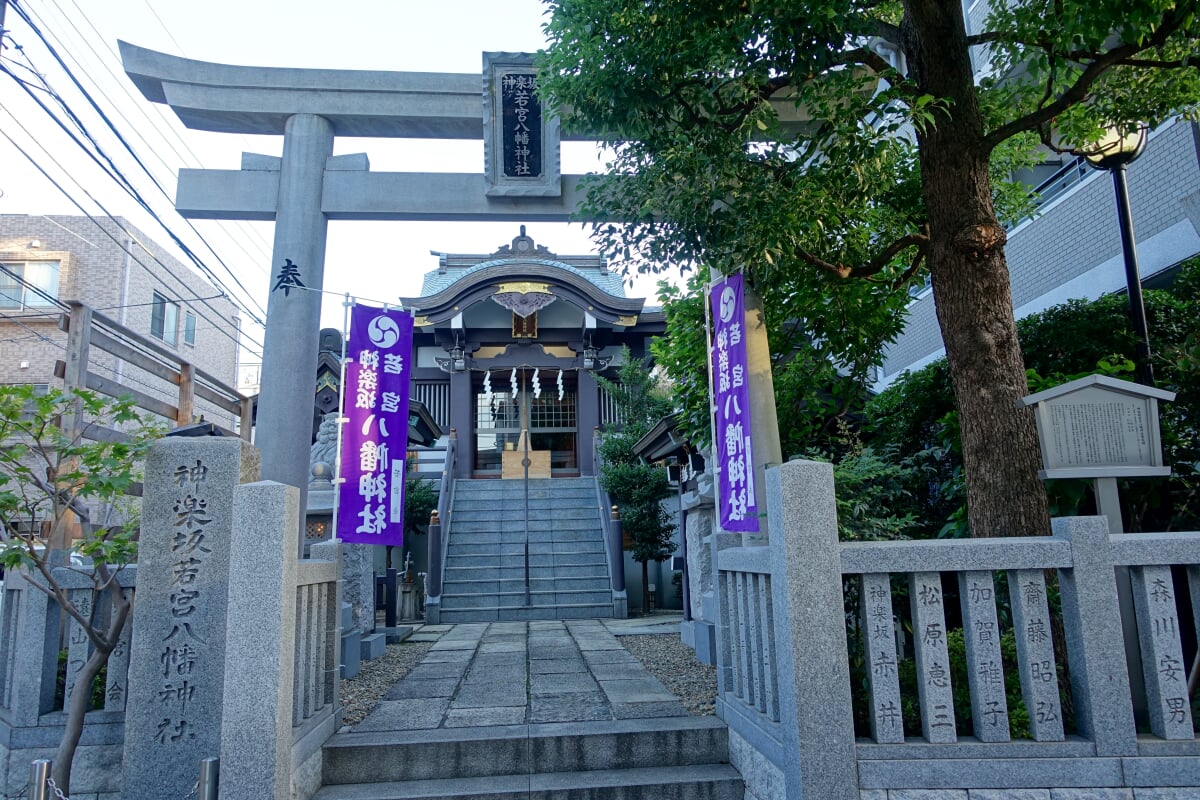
(177, 654)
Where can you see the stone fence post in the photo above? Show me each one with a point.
(177, 655)
(260, 640)
(1099, 680)
(814, 671)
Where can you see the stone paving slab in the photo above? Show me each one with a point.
(637, 690)
(553, 666)
(484, 675)
(562, 683)
(479, 717)
(404, 715)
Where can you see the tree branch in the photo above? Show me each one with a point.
(1077, 92)
(876, 264)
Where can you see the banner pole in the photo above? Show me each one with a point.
(347, 303)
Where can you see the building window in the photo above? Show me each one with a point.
(29, 284)
(189, 328)
(164, 320)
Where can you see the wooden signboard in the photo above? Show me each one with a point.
(1099, 427)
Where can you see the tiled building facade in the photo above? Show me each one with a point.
(1072, 249)
(121, 273)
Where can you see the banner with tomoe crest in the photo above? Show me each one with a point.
(731, 395)
(375, 436)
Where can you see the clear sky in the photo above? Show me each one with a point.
(376, 261)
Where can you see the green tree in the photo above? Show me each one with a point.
(637, 488)
(829, 140)
(46, 476)
(915, 418)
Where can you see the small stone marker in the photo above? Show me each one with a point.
(985, 672)
(933, 658)
(1035, 653)
(177, 653)
(887, 723)
(1166, 671)
(1099, 427)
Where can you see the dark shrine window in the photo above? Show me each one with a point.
(524, 327)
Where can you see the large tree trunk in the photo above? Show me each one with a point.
(971, 284)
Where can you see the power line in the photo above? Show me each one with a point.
(106, 232)
(112, 168)
(161, 123)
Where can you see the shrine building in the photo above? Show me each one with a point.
(513, 341)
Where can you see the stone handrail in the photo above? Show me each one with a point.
(438, 525)
(610, 520)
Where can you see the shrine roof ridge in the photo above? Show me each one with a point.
(441, 280)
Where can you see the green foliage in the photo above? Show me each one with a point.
(46, 474)
(819, 383)
(916, 416)
(420, 499)
(873, 497)
(770, 139)
(637, 488)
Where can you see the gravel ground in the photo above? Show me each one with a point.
(361, 693)
(674, 663)
(665, 656)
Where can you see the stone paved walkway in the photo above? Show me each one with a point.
(511, 673)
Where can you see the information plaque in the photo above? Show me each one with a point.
(1099, 427)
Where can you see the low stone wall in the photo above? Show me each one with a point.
(791, 611)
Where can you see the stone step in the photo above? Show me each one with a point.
(518, 548)
(695, 782)
(453, 598)
(523, 749)
(470, 584)
(494, 513)
(598, 569)
(547, 560)
(557, 533)
(527, 613)
(540, 524)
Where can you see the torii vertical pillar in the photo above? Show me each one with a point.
(284, 424)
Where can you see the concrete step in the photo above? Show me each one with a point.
(523, 749)
(698, 782)
(597, 569)
(453, 598)
(527, 613)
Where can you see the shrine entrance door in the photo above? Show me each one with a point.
(543, 406)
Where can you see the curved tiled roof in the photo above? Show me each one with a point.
(442, 279)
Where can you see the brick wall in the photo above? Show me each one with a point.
(117, 272)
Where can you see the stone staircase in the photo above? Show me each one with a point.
(485, 575)
(677, 758)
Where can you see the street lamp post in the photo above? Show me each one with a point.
(1113, 153)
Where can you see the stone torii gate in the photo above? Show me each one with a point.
(308, 186)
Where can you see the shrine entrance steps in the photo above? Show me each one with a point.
(542, 710)
(484, 579)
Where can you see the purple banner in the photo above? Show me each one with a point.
(375, 436)
(731, 394)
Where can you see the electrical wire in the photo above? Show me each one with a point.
(117, 222)
(113, 170)
(161, 123)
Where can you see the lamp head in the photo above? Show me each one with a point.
(1116, 148)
